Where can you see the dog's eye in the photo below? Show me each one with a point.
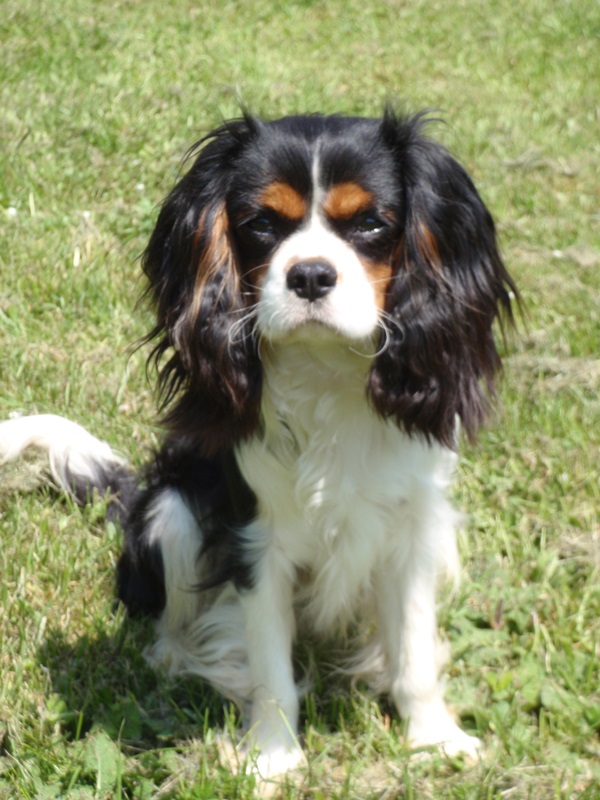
(367, 223)
(263, 225)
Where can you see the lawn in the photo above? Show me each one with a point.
(100, 100)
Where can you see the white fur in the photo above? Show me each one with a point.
(353, 526)
(72, 451)
(199, 633)
(349, 309)
(357, 506)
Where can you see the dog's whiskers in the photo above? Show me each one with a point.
(239, 326)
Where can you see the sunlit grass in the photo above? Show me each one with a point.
(100, 101)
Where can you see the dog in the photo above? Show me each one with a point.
(326, 289)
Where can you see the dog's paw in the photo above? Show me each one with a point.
(444, 734)
(462, 744)
(269, 764)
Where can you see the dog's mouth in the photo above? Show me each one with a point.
(310, 319)
(321, 329)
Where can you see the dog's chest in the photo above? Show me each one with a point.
(337, 486)
(328, 473)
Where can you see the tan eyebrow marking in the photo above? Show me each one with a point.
(344, 200)
(284, 200)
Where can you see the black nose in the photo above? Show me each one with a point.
(311, 280)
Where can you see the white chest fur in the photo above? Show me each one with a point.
(337, 486)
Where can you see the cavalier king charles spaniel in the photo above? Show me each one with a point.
(326, 289)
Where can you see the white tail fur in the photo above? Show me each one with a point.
(75, 456)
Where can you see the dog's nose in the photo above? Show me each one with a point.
(312, 279)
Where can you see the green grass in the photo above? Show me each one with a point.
(100, 100)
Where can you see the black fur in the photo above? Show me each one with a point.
(221, 502)
(113, 481)
(448, 288)
(192, 273)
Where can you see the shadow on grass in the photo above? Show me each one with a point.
(103, 681)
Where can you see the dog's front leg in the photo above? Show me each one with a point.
(270, 629)
(406, 597)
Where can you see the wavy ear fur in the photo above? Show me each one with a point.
(449, 286)
(212, 378)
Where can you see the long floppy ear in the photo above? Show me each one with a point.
(211, 381)
(448, 287)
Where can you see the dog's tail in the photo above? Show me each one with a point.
(79, 462)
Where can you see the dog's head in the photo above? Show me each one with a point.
(362, 229)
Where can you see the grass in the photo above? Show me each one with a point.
(100, 101)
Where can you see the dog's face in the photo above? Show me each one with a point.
(315, 225)
(311, 226)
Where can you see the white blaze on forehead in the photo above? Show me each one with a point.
(318, 192)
